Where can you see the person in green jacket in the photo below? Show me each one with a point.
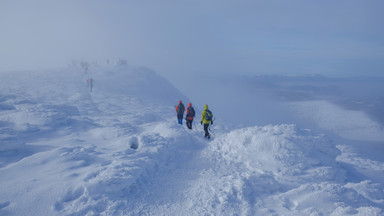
(207, 119)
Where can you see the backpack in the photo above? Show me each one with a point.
(208, 115)
(180, 108)
(191, 113)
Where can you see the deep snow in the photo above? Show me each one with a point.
(119, 151)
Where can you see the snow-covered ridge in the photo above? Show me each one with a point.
(140, 83)
(117, 150)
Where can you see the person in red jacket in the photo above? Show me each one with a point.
(190, 115)
(180, 112)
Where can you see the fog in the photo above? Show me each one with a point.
(345, 108)
(177, 38)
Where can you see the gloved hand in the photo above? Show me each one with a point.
(201, 122)
(211, 122)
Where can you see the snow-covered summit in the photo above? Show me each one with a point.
(118, 150)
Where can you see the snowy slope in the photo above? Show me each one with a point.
(119, 151)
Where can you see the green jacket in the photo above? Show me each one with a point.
(203, 115)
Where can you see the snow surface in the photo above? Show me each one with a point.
(120, 151)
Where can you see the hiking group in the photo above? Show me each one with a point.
(206, 117)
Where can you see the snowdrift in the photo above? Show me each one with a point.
(118, 150)
(282, 170)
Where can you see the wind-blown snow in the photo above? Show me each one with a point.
(347, 123)
(119, 151)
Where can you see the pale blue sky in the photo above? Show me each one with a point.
(176, 38)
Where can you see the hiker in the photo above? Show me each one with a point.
(90, 83)
(206, 118)
(180, 112)
(190, 115)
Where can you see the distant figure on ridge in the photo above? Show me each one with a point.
(180, 112)
(190, 115)
(90, 83)
(207, 119)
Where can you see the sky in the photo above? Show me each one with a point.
(178, 38)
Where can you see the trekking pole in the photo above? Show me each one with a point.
(209, 129)
(210, 125)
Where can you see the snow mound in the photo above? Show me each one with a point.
(282, 149)
(282, 170)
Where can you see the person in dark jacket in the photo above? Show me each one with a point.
(180, 112)
(190, 115)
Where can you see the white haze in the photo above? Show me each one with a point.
(347, 110)
(178, 38)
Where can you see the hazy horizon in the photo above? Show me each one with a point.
(343, 38)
